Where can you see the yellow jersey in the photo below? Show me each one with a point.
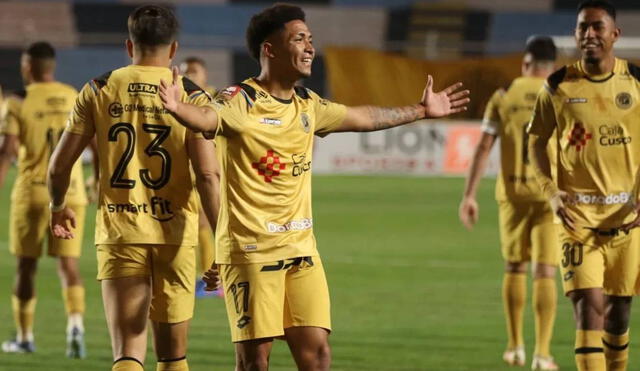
(598, 152)
(265, 151)
(37, 116)
(146, 193)
(507, 116)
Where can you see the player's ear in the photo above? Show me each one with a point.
(616, 34)
(174, 49)
(267, 49)
(129, 45)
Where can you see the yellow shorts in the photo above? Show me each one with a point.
(264, 299)
(608, 262)
(171, 268)
(29, 225)
(528, 233)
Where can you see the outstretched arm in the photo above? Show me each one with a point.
(61, 163)
(469, 209)
(432, 105)
(198, 119)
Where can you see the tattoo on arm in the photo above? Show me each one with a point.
(384, 118)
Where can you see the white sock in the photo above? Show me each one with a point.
(28, 337)
(75, 320)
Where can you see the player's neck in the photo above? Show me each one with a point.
(49, 77)
(601, 67)
(151, 61)
(279, 87)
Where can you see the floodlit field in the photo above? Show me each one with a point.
(410, 288)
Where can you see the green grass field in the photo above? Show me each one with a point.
(410, 288)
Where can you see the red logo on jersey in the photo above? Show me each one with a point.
(579, 136)
(269, 166)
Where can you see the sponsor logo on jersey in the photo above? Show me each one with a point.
(613, 135)
(300, 166)
(269, 166)
(294, 225)
(141, 87)
(155, 110)
(612, 199)
(305, 261)
(305, 122)
(159, 208)
(624, 100)
(273, 122)
(56, 101)
(115, 109)
(576, 100)
(578, 136)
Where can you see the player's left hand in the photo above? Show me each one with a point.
(635, 223)
(468, 212)
(62, 222)
(212, 278)
(445, 102)
(170, 94)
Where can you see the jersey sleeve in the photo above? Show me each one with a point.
(10, 116)
(329, 115)
(491, 118)
(543, 120)
(81, 120)
(231, 105)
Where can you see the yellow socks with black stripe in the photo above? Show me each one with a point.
(23, 313)
(616, 351)
(589, 351)
(74, 304)
(206, 247)
(514, 293)
(545, 301)
(127, 364)
(179, 364)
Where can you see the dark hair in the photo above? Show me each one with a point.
(541, 48)
(268, 21)
(600, 4)
(152, 25)
(41, 50)
(194, 59)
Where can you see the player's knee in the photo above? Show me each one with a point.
(255, 362)
(324, 357)
(317, 358)
(542, 270)
(27, 267)
(617, 315)
(516, 267)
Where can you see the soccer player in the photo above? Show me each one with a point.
(195, 69)
(592, 107)
(273, 278)
(34, 121)
(146, 224)
(527, 230)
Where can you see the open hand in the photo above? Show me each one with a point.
(558, 204)
(212, 278)
(171, 94)
(62, 223)
(636, 222)
(468, 212)
(445, 102)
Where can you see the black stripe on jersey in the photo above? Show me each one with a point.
(634, 70)
(556, 78)
(101, 80)
(619, 348)
(586, 350)
(302, 92)
(190, 86)
(249, 90)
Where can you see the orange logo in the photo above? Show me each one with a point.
(269, 166)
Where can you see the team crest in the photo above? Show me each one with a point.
(115, 109)
(624, 100)
(578, 136)
(305, 122)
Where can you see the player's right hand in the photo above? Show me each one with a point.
(62, 222)
(469, 212)
(170, 94)
(212, 278)
(558, 204)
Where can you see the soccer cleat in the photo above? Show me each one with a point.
(543, 364)
(514, 357)
(14, 346)
(75, 344)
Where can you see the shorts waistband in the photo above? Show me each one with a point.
(607, 232)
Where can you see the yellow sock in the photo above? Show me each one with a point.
(514, 293)
(589, 352)
(616, 351)
(127, 364)
(206, 247)
(73, 299)
(177, 365)
(545, 301)
(23, 313)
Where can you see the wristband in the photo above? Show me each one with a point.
(57, 208)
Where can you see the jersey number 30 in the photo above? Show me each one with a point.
(153, 149)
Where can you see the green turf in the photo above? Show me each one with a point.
(410, 288)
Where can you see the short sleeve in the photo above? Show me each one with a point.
(543, 120)
(10, 116)
(491, 119)
(81, 120)
(231, 106)
(329, 115)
